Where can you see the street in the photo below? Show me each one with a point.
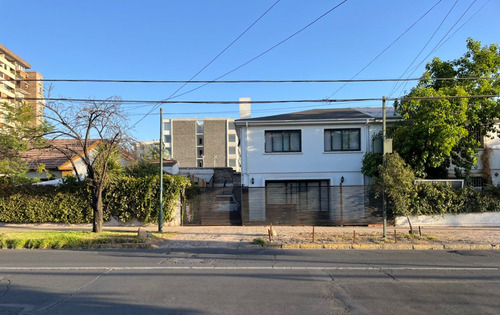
(248, 281)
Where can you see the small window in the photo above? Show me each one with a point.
(200, 163)
(283, 141)
(232, 138)
(342, 140)
(167, 138)
(232, 150)
(232, 162)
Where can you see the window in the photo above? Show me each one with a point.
(304, 195)
(232, 163)
(342, 140)
(283, 141)
(167, 138)
(232, 150)
(232, 138)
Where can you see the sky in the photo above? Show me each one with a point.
(259, 40)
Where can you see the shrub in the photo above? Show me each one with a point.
(126, 198)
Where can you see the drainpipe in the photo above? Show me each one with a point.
(246, 153)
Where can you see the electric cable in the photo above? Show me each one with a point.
(386, 48)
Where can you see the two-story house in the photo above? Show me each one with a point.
(295, 163)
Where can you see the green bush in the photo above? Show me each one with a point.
(126, 198)
(43, 204)
(407, 198)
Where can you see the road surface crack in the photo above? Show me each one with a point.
(59, 301)
(275, 261)
(388, 273)
(7, 288)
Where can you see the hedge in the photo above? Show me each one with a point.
(127, 198)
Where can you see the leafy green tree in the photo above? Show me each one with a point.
(397, 179)
(437, 130)
(18, 133)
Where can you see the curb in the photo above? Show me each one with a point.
(383, 246)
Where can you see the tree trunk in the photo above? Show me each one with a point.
(97, 207)
(409, 223)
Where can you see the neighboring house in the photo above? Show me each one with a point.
(16, 83)
(487, 170)
(57, 164)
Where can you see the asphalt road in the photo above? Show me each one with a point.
(249, 281)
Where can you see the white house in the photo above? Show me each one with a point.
(299, 161)
(321, 144)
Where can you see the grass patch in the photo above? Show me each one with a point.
(72, 239)
(418, 237)
(259, 241)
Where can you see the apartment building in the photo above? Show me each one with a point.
(208, 142)
(18, 84)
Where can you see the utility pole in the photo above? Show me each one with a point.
(384, 206)
(160, 212)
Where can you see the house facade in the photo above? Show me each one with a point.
(307, 165)
(316, 145)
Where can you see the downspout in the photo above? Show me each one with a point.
(367, 142)
(246, 154)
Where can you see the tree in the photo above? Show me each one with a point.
(18, 134)
(85, 123)
(435, 132)
(397, 179)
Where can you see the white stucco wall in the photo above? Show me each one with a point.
(311, 163)
(463, 219)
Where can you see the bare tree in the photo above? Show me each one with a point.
(88, 125)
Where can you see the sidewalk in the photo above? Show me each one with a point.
(352, 237)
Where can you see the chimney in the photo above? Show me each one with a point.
(245, 108)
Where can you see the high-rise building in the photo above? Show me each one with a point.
(208, 142)
(17, 84)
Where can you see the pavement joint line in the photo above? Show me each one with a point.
(374, 268)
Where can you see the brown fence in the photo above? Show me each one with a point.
(330, 205)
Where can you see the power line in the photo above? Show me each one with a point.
(224, 50)
(440, 41)
(266, 51)
(425, 46)
(211, 61)
(246, 81)
(222, 102)
(389, 46)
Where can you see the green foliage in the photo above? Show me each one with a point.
(398, 180)
(142, 168)
(407, 198)
(126, 199)
(259, 241)
(371, 163)
(42, 204)
(17, 134)
(433, 132)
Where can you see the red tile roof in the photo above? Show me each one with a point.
(52, 158)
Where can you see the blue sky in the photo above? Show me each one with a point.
(173, 40)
